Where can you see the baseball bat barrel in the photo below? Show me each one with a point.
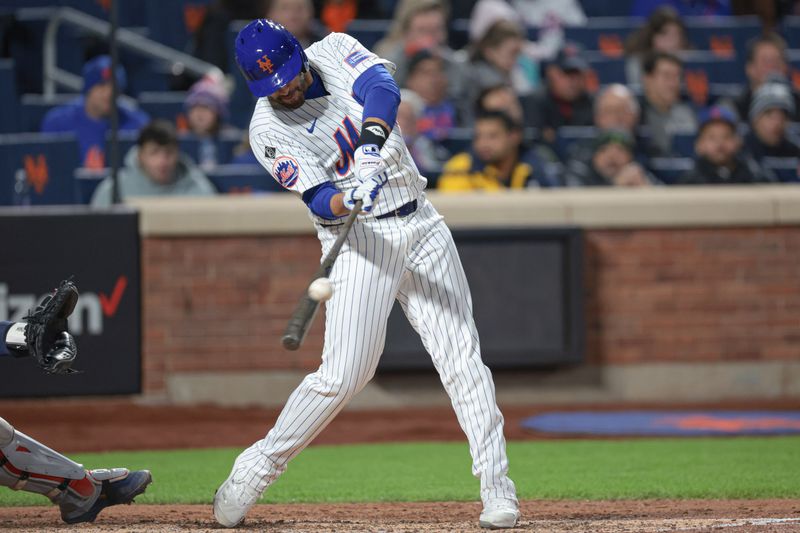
(306, 309)
(299, 323)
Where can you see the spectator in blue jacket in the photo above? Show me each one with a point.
(88, 115)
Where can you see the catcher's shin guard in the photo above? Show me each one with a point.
(117, 486)
(26, 464)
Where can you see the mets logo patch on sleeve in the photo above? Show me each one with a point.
(356, 57)
(286, 171)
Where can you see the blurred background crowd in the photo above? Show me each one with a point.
(495, 93)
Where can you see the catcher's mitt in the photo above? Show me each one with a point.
(46, 330)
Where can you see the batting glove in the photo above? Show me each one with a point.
(366, 192)
(368, 162)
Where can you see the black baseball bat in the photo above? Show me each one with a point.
(306, 309)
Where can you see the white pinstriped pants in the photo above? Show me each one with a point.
(414, 260)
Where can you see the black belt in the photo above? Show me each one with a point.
(402, 211)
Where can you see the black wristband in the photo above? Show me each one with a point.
(372, 133)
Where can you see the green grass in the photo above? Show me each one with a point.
(577, 469)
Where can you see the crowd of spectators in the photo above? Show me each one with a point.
(491, 115)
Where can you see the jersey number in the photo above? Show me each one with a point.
(347, 145)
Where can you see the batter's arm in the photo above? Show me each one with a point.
(337, 205)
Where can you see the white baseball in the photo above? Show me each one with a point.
(320, 290)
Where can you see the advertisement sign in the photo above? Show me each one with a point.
(527, 295)
(100, 252)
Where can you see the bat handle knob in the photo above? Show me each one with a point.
(290, 342)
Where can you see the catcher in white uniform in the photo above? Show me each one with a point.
(27, 464)
(324, 127)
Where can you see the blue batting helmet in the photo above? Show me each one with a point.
(269, 56)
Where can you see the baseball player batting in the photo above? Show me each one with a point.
(324, 126)
(27, 464)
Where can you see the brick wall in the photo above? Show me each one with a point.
(651, 295)
(222, 304)
(693, 295)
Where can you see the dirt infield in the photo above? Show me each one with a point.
(90, 425)
(541, 516)
(85, 425)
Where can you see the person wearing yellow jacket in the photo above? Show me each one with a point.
(497, 160)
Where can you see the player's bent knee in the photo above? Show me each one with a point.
(333, 386)
(6, 432)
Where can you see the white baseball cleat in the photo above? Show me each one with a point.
(501, 516)
(232, 501)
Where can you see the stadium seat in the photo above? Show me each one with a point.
(786, 169)
(606, 69)
(243, 179)
(86, 181)
(369, 31)
(723, 90)
(145, 74)
(458, 35)
(790, 29)
(8, 94)
(227, 143)
(130, 13)
(566, 136)
(163, 104)
(242, 101)
(172, 23)
(188, 144)
(34, 107)
(459, 140)
(718, 69)
(670, 169)
(722, 36)
(607, 8)
(37, 169)
(683, 144)
(793, 55)
(605, 34)
(127, 139)
(704, 69)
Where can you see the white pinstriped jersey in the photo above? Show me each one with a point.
(305, 147)
(411, 259)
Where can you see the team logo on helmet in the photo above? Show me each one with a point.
(286, 171)
(265, 64)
